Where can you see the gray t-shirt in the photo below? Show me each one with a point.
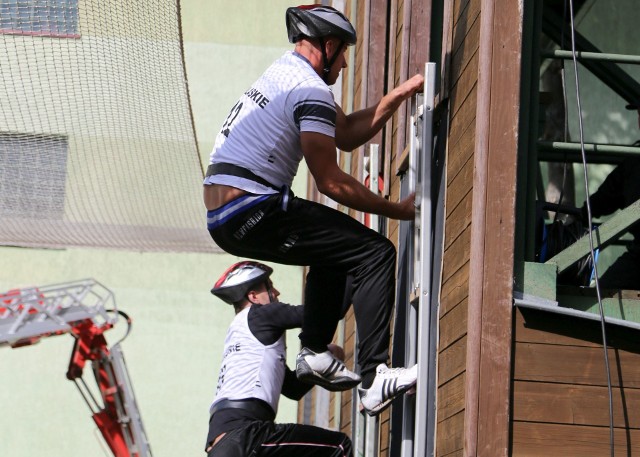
(262, 131)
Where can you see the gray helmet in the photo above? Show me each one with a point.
(318, 21)
(239, 279)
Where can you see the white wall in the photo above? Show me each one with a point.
(173, 352)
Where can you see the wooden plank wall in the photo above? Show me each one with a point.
(560, 395)
(406, 55)
(368, 86)
(489, 331)
(394, 144)
(460, 79)
(407, 48)
(559, 387)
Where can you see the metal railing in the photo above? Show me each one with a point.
(34, 312)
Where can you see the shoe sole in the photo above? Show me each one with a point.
(385, 404)
(306, 374)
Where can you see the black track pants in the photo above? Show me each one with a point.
(349, 264)
(266, 439)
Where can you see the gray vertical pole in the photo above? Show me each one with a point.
(131, 410)
(406, 448)
(425, 395)
(372, 424)
(374, 167)
(373, 436)
(358, 422)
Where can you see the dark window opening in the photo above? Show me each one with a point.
(33, 172)
(52, 18)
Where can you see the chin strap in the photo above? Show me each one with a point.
(328, 63)
(272, 298)
(270, 292)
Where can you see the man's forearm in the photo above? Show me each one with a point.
(349, 192)
(360, 126)
(363, 125)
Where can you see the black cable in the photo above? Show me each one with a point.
(86, 396)
(128, 319)
(587, 193)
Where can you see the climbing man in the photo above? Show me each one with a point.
(254, 374)
(289, 114)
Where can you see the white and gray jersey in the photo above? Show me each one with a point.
(249, 368)
(262, 131)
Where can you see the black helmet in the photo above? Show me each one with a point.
(237, 281)
(318, 21)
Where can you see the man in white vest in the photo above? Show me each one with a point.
(253, 374)
(289, 114)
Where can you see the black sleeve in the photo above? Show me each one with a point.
(293, 388)
(268, 322)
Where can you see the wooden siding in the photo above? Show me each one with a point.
(351, 87)
(350, 349)
(399, 71)
(459, 86)
(560, 387)
(467, 218)
(343, 421)
(408, 48)
(486, 428)
(367, 88)
(519, 383)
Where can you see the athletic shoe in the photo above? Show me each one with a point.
(388, 384)
(324, 370)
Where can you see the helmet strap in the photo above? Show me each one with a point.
(272, 298)
(327, 66)
(328, 63)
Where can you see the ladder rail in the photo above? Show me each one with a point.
(128, 409)
(410, 330)
(419, 413)
(425, 395)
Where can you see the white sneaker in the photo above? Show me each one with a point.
(388, 384)
(324, 370)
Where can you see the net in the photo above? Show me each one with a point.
(97, 146)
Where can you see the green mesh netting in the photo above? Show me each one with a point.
(97, 146)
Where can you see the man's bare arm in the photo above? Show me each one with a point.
(320, 154)
(357, 128)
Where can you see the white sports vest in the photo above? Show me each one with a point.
(249, 368)
(262, 131)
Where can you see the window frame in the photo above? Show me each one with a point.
(41, 13)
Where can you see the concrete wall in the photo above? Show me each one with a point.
(173, 352)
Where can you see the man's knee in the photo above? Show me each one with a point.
(383, 251)
(345, 448)
(348, 446)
